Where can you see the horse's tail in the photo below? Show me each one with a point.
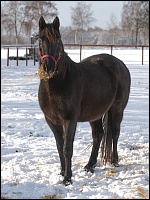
(106, 143)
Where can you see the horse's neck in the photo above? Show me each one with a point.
(65, 64)
(64, 68)
(58, 82)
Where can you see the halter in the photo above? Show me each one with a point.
(49, 56)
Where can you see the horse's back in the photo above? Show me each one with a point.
(114, 65)
(108, 61)
(117, 69)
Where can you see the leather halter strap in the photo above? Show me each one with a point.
(49, 56)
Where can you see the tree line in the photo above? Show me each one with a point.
(19, 21)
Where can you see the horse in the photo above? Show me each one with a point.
(95, 90)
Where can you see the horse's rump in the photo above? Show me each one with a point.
(104, 79)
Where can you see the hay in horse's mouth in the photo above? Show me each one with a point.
(44, 75)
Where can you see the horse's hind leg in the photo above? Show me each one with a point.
(116, 121)
(58, 133)
(97, 133)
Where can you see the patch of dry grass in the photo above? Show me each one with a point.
(52, 196)
(141, 192)
(2, 197)
(110, 172)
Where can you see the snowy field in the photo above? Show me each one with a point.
(29, 159)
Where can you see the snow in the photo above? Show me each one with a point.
(29, 159)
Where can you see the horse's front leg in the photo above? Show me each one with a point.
(69, 133)
(58, 134)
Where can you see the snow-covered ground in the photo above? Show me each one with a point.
(29, 159)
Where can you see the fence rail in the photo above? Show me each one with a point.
(34, 48)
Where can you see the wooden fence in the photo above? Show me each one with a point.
(71, 46)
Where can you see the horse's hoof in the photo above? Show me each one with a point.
(115, 164)
(62, 172)
(87, 168)
(66, 182)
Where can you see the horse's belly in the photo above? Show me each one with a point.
(91, 114)
(89, 118)
(95, 110)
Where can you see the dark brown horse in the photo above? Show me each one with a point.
(95, 90)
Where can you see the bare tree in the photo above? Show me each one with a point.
(145, 21)
(20, 17)
(145, 14)
(47, 9)
(133, 20)
(113, 27)
(82, 18)
(14, 16)
(6, 29)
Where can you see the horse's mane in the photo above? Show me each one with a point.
(66, 62)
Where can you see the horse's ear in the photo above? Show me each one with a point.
(42, 23)
(56, 23)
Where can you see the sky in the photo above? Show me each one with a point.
(29, 158)
(102, 11)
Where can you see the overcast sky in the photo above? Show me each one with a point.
(102, 11)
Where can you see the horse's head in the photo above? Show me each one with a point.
(50, 45)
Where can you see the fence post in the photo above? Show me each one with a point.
(17, 57)
(26, 57)
(34, 56)
(80, 51)
(111, 49)
(8, 56)
(142, 54)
